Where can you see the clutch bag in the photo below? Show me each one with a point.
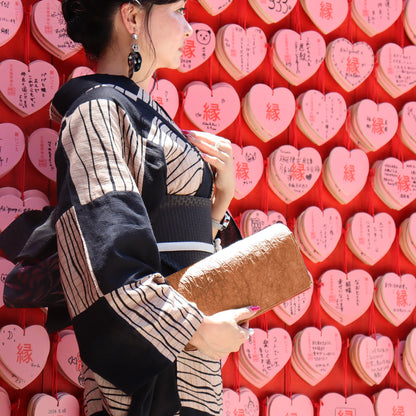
(264, 269)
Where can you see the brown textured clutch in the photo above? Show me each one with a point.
(264, 269)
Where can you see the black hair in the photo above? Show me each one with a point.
(90, 22)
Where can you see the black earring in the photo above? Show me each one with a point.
(134, 59)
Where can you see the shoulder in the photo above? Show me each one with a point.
(72, 94)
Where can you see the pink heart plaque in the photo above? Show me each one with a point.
(293, 172)
(27, 89)
(375, 17)
(64, 405)
(264, 355)
(345, 297)
(254, 220)
(326, 15)
(69, 360)
(320, 116)
(24, 352)
(273, 11)
(371, 357)
(345, 173)
(349, 64)
(268, 112)
(297, 56)
(334, 404)
(409, 21)
(318, 232)
(377, 123)
(395, 182)
(248, 169)
(316, 352)
(240, 51)
(166, 95)
(49, 28)
(41, 148)
(293, 309)
(211, 110)
(198, 47)
(396, 71)
(396, 296)
(12, 147)
(407, 130)
(370, 238)
(80, 71)
(389, 401)
(298, 404)
(214, 7)
(11, 206)
(245, 403)
(11, 13)
(5, 405)
(5, 267)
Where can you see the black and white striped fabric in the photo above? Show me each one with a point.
(118, 156)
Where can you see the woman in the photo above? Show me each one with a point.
(135, 202)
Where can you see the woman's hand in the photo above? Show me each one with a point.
(217, 151)
(220, 334)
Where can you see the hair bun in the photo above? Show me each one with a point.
(77, 18)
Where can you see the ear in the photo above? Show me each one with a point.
(130, 16)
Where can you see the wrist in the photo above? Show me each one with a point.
(222, 224)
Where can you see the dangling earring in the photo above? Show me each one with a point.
(134, 59)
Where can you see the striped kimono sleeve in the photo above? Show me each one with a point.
(130, 324)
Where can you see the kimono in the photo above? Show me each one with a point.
(129, 182)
